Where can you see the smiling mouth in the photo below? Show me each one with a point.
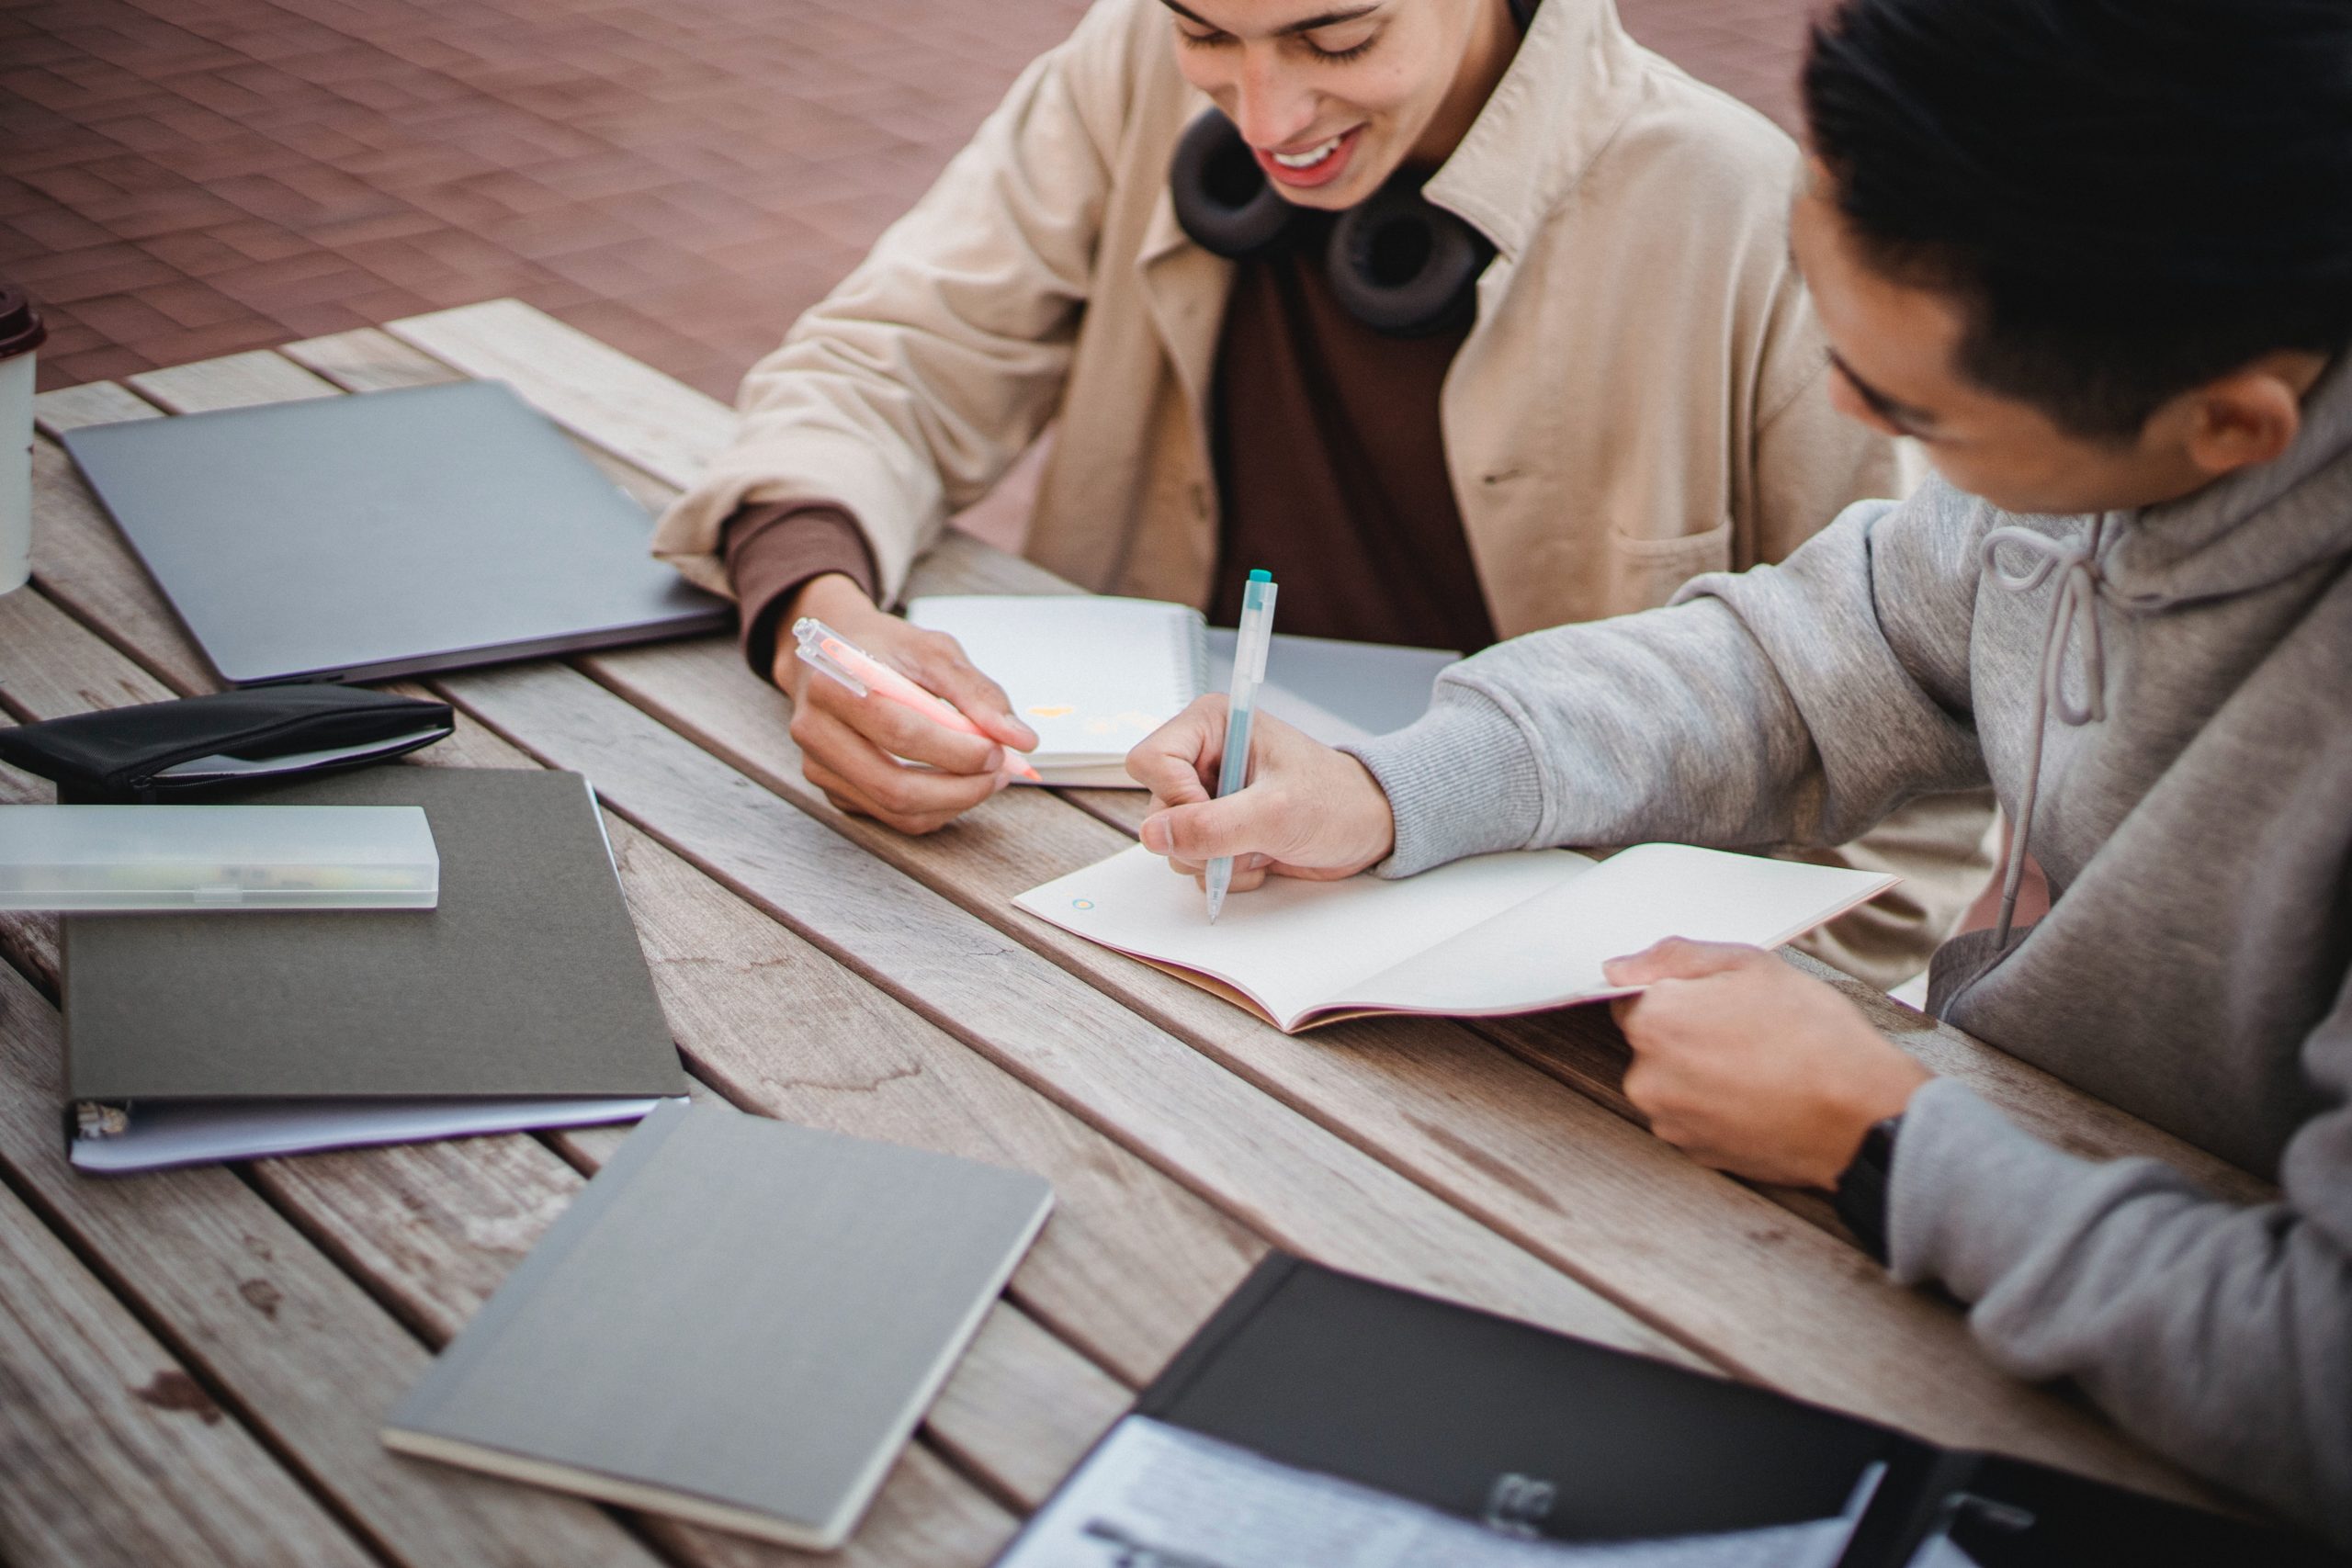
(1311, 157)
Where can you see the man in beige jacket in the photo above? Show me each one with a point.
(1630, 393)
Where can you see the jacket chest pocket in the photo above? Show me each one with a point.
(1644, 574)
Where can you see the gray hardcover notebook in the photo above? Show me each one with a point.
(383, 534)
(740, 1323)
(525, 987)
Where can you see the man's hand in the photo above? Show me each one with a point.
(849, 745)
(1309, 811)
(1752, 1066)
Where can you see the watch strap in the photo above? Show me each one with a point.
(1863, 1187)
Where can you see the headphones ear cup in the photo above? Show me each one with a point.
(1405, 267)
(1223, 198)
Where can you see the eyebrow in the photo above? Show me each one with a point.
(1915, 421)
(1326, 20)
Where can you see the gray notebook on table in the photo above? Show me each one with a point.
(523, 1000)
(739, 1323)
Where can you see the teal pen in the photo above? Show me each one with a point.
(1249, 671)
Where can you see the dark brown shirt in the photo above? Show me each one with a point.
(1330, 465)
(1331, 473)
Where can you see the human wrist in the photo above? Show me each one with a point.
(1871, 1098)
(1377, 819)
(832, 597)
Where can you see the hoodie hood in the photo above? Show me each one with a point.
(2252, 528)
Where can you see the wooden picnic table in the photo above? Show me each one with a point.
(194, 1364)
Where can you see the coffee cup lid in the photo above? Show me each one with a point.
(21, 329)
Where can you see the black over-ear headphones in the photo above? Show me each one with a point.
(1397, 262)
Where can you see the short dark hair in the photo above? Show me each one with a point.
(2130, 197)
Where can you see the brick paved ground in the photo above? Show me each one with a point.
(183, 178)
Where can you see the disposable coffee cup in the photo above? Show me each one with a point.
(21, 331)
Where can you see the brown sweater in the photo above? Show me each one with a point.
(1330, 474)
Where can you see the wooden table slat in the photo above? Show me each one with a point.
(1563, 1175)
(247, 1300)
(110, 1452)
(434, 1228)
(624, 405)
(233, 381)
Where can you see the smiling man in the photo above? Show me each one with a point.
(2098, 259)
(1463, 318)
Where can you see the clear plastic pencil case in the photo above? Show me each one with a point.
(217, 857)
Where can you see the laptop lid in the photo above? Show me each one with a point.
(385, 534)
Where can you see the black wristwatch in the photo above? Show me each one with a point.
(1861, 1189)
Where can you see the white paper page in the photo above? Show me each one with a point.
(192, 1131)
(1293, 946)
(1158, 1494)
(1548, 952)
(1090, 675)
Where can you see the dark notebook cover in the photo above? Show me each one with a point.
(1439, 1404)
(527, 980)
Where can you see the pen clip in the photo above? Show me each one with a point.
(814, 637)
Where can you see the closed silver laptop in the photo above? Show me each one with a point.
(387, 534)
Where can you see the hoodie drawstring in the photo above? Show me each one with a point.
(2073, 610)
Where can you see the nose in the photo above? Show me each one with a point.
(1273, 106)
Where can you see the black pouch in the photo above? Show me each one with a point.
(138, 754)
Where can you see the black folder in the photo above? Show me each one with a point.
(1538, 1434)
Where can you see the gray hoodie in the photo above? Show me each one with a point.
(2194, 815)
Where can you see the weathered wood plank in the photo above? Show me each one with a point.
(110, 1452)
(232, 381)
(1280, 1174)
(1717, 1264)
(94, 402)
(376, 1209)
(368, 360)
(628, 407)
(1025, 1431)
(252, 1307)
(52, 665)
(1132, 1262)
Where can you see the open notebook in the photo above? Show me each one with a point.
(1092, 675)
(1497, 933)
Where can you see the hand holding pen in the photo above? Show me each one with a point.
(856, 737)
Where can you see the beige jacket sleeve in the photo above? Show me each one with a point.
(908, 391)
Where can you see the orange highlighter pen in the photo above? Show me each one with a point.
(830, 653)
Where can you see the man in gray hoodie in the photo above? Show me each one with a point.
(2098, 259)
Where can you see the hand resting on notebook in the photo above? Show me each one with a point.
(1743, 1062)
(1309, 811)
(849, 745)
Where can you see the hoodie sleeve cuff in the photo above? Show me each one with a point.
(1972, 1194)
(1461, 781)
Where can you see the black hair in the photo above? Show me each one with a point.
(2129, 198)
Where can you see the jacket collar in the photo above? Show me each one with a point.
(1567, 90)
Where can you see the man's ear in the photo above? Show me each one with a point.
(2246, 418)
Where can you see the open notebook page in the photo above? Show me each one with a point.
(1492, 934)
(1292, 945)
(1548, 950)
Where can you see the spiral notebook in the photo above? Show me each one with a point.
(1092, 676)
